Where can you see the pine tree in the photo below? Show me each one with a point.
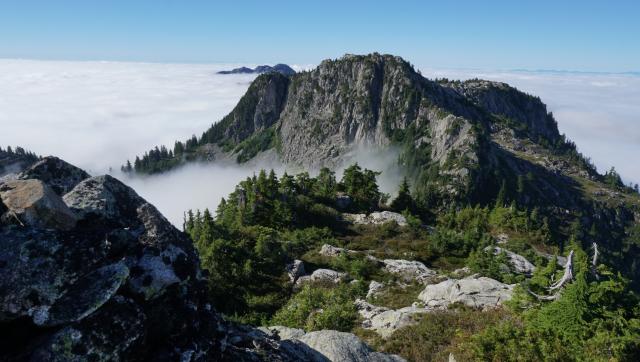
(404, 200)
(325, 186)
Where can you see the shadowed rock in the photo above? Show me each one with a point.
(58, 174)
(85, 296)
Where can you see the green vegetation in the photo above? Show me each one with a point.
(268, 221)
(321, 307)
(439, 333)
(595, 319)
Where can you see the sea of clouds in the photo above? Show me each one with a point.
(97, 115)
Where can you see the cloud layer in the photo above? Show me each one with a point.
(99, 114)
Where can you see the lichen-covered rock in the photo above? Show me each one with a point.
(344, 347)
(109, 334)
(477, 292)
(381, 217)
(376, 218)
(104, 198)
(331, 251)
(84, 296)
(408, 270)
(374, 289)
(58, 174)
(154, 273)
(33, 203)
(322, 275)
(385, 321)
(519, 263)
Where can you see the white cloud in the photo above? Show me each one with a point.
(98, 114)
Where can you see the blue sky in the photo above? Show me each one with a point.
(576, 35)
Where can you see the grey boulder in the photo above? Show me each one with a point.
(344, 347)
(477, 292)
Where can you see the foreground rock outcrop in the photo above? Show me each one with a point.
(91, 271)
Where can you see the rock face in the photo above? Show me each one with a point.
(33, 203)
(376, 218)
(99, 274)
(408, 270)
(477, 292)
(385, 321)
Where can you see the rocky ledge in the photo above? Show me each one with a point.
(91, 271)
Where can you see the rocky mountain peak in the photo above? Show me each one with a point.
(452, 138)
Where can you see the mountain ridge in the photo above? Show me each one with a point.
(317, 116)
(279, 68)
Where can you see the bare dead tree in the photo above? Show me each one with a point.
(568, 274)
(567, 277)
(594, 260)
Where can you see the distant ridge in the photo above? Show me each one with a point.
(280, 68)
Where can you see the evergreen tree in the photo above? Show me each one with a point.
(404, 200)
(326, 185)
(361, 186)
